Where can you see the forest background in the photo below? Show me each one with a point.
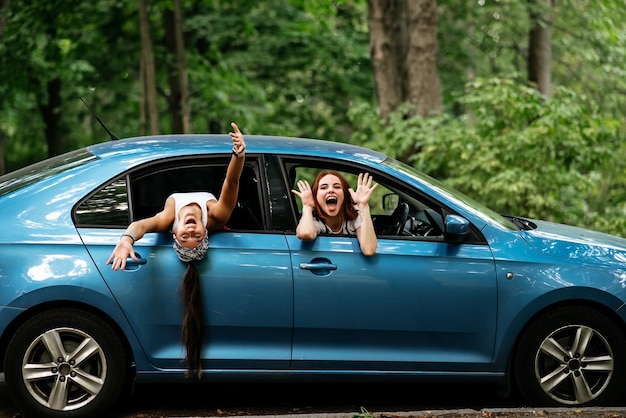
(517, 103)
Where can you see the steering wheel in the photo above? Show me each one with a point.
(397, 220)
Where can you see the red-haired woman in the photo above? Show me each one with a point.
(331, 206)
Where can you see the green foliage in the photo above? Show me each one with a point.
(302, 68)
(589, 49)
(515, 151)
(280, 67)
(363, 414)
(277, 67)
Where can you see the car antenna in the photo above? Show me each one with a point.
(113, 137)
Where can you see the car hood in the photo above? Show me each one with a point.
(573, 242)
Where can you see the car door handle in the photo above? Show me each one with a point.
(319, 266)
(139, 261)
(134, 265)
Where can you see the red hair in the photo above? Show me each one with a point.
(348, 212)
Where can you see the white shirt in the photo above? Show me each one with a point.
(184, 199)
(347, 227)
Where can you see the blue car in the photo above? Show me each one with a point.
(455, 290)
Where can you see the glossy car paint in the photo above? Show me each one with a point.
(417, 308)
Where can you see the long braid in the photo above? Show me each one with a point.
(193, 318)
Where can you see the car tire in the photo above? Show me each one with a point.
(65, 363)
(571, 356)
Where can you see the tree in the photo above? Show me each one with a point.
(424, 88)
(178, 98)
(403, 47)
(387, 49)
(540, 45)
(4, 11)
(147, 74)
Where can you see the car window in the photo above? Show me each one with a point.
(376, 200)
(116, 204)
(397, 211)
(150, 190)
(107, 207)
(386, 198)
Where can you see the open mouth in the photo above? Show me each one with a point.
(331, 203)
(190, 221)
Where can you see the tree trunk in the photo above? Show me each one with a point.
(4, 12)
(424, 87)
(403, 47)
(387, 26)
(51, 115)
(182, 68)
(3, 164)
(540, 45)
(178, 99)
(142, 97)
(174, 96)
(149, 78)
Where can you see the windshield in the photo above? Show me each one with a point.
(33, 173)
(475, 207)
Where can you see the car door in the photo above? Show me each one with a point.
(419, 304)
(245, 278)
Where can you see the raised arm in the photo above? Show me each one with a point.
(306, 229)
(220, 211)
(365, 233)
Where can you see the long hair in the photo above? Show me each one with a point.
(193, 318)
(348, 211)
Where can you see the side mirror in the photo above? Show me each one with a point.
(456, 228)
(390, 202)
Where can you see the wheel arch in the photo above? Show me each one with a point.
(569, 297)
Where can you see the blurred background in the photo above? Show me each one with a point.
(517, 103)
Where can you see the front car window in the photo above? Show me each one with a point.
(397, 210)
(383, 202)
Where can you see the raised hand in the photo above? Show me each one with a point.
(239, 145)
(305, 194)
(364, 189)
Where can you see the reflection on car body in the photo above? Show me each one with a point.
(455, 290)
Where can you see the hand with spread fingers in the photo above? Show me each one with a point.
(364, 189)
(305, 194)
(122, 251)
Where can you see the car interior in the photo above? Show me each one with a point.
(149, 191)
(393, 213)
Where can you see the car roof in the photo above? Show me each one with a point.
(140, 149)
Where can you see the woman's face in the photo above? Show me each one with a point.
(330, 195)
(190, 230)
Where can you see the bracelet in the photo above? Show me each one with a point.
(131, 234)
(237, 154)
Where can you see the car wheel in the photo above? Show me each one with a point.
(573, 356)
(65, 363)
